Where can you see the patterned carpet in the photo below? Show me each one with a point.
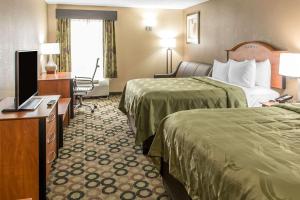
(100, 161)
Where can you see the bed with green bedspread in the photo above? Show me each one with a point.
(233, 154)
(148, 101)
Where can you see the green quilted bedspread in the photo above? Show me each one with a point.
(148, 101)
(228, 154)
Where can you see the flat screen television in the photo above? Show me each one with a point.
(26, 84)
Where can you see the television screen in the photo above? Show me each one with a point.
(26, 76)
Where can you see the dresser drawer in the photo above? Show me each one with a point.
(51, 121)
(51, 140)
(51, 137)
(51, 153)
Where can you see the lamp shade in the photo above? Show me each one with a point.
(50, 48)
(289, 64)
(168, 42)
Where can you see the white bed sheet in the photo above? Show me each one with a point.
(256, 95)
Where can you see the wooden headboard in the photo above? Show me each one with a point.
(260, 51)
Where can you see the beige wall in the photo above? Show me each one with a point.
(23, 26)
(139, 53)
(225, 23)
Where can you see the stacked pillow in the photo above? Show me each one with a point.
(220, 71)
(242, 73)
(263, 74)
(247, 73)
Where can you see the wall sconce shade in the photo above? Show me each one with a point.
(289, 64)
(50, 48)
(169, 43)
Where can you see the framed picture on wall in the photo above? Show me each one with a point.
(193, 28)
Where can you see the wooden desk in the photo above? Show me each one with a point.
(28, 147)
(60, 83)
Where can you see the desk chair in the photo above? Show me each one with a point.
(84, 85)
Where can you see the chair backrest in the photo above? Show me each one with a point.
(187, 69)
(97, 66)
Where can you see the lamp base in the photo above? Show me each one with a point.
(169, 60)
(51, 66)
(50, 69)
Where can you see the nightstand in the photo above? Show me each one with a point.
(269, 103)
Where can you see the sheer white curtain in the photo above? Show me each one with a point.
(86, 47)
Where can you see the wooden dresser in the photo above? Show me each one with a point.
(28, 147)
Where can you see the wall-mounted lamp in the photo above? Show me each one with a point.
(149, 21)
(149, 24)
(169, 44)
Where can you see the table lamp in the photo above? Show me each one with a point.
(290, 66)
(170, 44)
(50, 49)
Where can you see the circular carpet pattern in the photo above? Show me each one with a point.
(100, 161)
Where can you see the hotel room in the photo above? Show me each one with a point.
(148, 99)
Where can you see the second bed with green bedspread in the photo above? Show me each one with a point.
(148, 101)
(249, 154)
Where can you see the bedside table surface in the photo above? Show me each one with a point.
(269, 103)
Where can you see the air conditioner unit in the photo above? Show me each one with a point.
(101, 88)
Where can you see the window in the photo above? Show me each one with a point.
(86, 47)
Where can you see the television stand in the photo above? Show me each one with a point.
(28, 148)
(32, 103)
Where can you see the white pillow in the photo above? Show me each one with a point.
(220, 71)
(263, 74)
(242, 73)
(236, 62)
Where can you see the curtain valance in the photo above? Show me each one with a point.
(86, 14)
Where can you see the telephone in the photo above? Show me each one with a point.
(284, 98)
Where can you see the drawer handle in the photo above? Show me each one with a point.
(53, 153)
(51, 138)
(51, 118)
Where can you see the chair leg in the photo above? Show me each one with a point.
(81, 104)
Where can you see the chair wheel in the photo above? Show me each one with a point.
(95, 106)
(92, 111)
